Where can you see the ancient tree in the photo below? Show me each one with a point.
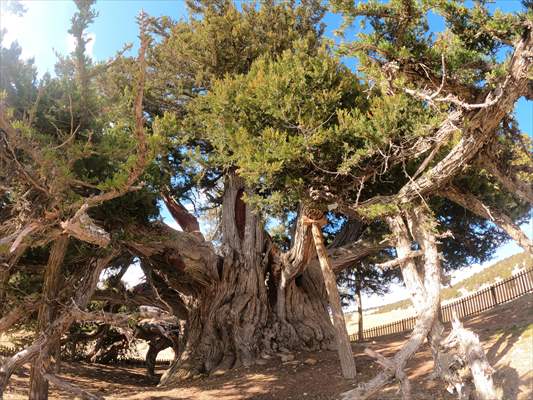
(415, 156)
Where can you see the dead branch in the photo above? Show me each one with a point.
(69, 387)
(82, 227)
(476, 206)
(83, 292)
(432, 98)
(21, 311)
(513, 185)
(187, 221)
(400, 261)
(470, 350)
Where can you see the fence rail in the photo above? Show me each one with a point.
(485, 299)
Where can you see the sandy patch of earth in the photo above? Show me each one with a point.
(505, 331)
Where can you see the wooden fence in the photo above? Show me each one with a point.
(485, 299)
(501, 292)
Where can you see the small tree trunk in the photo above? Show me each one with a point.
(86, 285)
(47, 313)
(343, 341)
(360, 312)
(422, 227)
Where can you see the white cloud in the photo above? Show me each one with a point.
(36, 36)
(71, 44)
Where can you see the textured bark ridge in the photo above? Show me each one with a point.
(341, 334)
(242, 314)
(47, 313)
(459, 352)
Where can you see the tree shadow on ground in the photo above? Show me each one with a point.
(505, 343)
(501, 331)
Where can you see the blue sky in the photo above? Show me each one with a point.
(42, 31)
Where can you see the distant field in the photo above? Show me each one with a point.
(402, 309)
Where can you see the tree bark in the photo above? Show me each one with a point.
(471, 351)
(82, 293)
(476, 206)
(394, 367)
(47, 313)
(184, 218)
(236, 317)
(513, 185)
(360, 326)
(343, 341)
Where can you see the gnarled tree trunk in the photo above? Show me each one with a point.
(237, 318)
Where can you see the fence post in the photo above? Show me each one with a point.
(493, 293)
(485, 299)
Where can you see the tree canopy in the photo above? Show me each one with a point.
(248, 115)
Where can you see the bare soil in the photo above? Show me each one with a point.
(505, 331)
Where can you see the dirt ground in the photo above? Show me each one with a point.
(506, 333)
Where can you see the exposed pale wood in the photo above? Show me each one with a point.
(423, 226)
(83, 228)
(472, 352)
(400, 260)
(476, 206)
(343, 341)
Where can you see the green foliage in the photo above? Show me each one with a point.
(398, 30)
(255, 89)
(290, 119)
(77, 141)
(218, 40)
(264, 123)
